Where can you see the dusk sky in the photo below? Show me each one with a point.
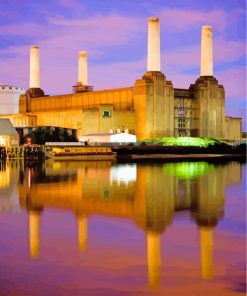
(114, 33)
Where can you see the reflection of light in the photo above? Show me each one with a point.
(2, 141)
(153, 259)
(188, 170)
(34, 233)
(206, 253)
(5, 178)
(82, 232)
(29, 178)
(123, 173)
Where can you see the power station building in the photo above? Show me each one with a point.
(150, 108)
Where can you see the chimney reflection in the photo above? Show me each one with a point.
(82, 232)
(206, 252)
(34, 233)
(149, 197)
(153, 259)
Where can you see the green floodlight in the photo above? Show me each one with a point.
(188, 170)
(185, 141)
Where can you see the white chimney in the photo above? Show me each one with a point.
(207, 51)
(153, 59)
(34, 81)
(82, 67)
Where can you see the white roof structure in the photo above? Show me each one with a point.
(108, 138)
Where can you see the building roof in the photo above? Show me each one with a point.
(6, 127)
(99, 135)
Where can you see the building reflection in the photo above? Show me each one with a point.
(9, 176)
(149, 195)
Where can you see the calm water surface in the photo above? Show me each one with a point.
(93, 228)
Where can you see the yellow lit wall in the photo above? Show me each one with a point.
(233, 128)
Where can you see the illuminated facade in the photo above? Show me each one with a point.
(8, 134)
(151, 108)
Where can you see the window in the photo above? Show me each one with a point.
(106, 113)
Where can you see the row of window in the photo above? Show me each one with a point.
(10, 87)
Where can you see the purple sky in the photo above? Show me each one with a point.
(115, 35)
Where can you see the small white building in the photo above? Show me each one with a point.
(8, 134)
(108, 138)
(9, 98)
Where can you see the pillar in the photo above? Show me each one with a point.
(82, 67)
(207, 51)
(153, 58)
(34, 81)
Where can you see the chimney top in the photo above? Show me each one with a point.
(82, 53)
(153, 19)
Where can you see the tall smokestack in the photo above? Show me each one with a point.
(207, 51)
(34, 81)
(82, 67)
(153, 60)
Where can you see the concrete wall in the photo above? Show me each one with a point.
(20, 120)
(9, 99)
(154, 106)
(120, 98)
(209, 103)
(233, 128)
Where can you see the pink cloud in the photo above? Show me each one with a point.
(224, 51)
(110, 30)
(73, 4)
(27, 29)
(180, 19)
(228, 50)
(234, 81)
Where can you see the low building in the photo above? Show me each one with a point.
(8, 134)
(108, 138)
(233, 128)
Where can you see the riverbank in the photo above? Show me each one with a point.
(178, 157)
(165, 153)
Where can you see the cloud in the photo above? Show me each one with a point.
(72, 4)
(182, 19)
(234, 81)
(26, 29)
(225, 51)
(110, 30)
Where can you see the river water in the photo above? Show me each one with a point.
(97, 228)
